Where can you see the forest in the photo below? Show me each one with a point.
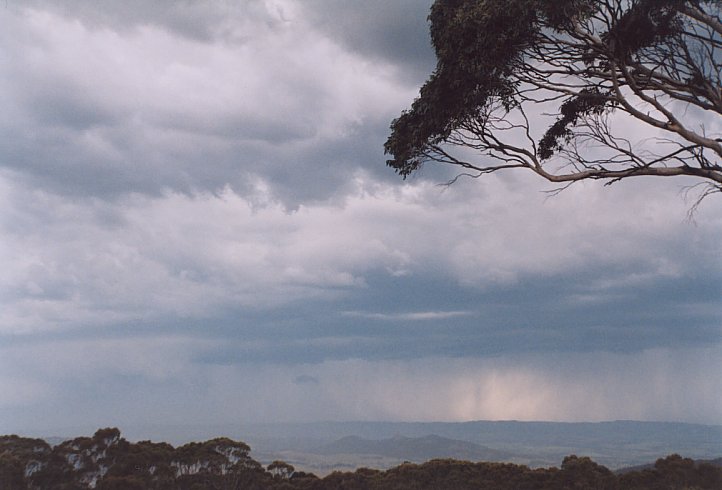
(107, 461)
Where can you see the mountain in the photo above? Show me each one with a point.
(615, 444)
(417, 449)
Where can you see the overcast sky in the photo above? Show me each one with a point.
(198, 226)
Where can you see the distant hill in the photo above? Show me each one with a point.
(714, 462)
(415, 449)
(615, 444)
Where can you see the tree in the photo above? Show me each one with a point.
(11, 472)
(571, 90)
(281, 469)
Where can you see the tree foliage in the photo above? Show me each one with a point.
(281, 469)
(106, 461)
(571, 90)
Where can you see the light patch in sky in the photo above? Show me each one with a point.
(416, 315)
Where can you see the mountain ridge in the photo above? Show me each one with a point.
(414, 448)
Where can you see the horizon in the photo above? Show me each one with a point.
(216, 430)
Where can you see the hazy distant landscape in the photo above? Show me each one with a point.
(536, 444)
(323, 447)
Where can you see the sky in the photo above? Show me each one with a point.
(198, 227)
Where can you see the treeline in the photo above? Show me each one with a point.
(106, 461)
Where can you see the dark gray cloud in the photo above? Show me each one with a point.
(536, 317)
(200, 21)
(395, 32)
(102, 109)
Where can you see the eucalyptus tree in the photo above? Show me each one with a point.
(570, 90)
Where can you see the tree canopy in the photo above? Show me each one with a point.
(571, 90)
(106, 461)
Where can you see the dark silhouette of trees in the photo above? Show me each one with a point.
(673, 472)
(583, 473)
(628, 87)
(106, 461)
(11, 472)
